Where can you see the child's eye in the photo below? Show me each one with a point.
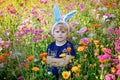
(63, 31)
(57, 31)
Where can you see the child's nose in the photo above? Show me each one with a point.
(60, 33)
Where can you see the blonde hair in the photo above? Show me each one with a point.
(62, 27)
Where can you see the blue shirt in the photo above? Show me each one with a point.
(54, 50)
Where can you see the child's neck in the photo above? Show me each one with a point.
(60, 43)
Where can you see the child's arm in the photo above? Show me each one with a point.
(58, 61)
(68, 58)
(55, 61)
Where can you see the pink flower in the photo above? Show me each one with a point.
(35, 39)
(18, 35)
(97, 2)
(75, 24)
(10, 5)
(117, 45)
(31, 30)
(35, 13)
(97, 16)
(107, 56)
(117, 31)
(109, 39)
(70, 6)
(110, 30)
(43, 22)
(45, 36)
(82, 30)
(27, 21)
(38, 32)
(82, 7)
(1, 42)
(1, 12)
(42, 13)
(118, 66)
(20, 78)
(107, 51)
(22, 27)
(108, 65)
(113, 5)
(43, 1)
(19, 41)
(115, 61)
(13, 11)
(101, 66)
(74, 38)
(118, 72)
(25, 9)
(109, 77)
(21, 4)
(105, 3)
(103, 57)
(7, 44)
(35, 7)
(100, 57)
(85, 40)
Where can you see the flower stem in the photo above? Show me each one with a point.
(101, 76)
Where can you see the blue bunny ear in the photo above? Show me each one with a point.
(56, 12)
(68, 16)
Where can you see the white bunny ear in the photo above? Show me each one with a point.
(68, 16)
(56, 12)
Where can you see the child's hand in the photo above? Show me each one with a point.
(49, 60)
(58, 61)
(68, 58)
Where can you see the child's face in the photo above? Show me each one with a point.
(60, 34)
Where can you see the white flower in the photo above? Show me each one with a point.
(0, 48)
(100, 8)
(1, 65)
(18, 53)
(7, 33)
(49, 72)
(74, 38)
(91, 35)
(104, 9)
(35, 60)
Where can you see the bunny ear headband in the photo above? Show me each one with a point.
(58, 18)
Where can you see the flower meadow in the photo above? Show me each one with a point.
(24, 37)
